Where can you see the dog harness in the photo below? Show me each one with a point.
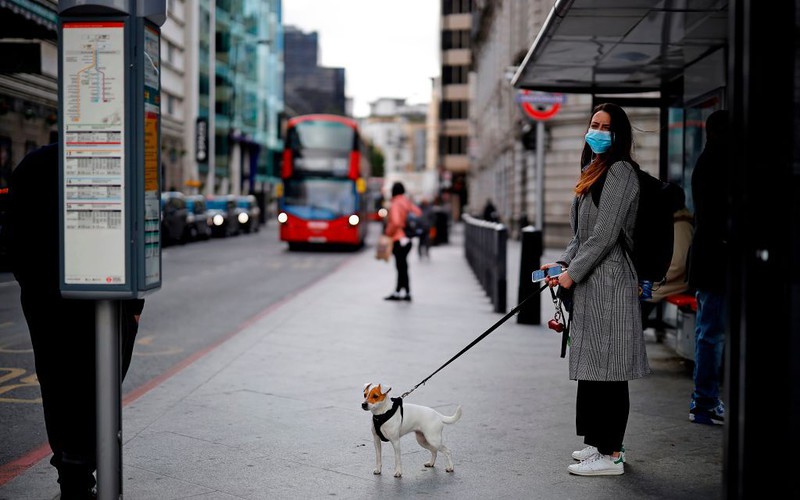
(379, 420)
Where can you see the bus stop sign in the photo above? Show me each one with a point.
(539, 106)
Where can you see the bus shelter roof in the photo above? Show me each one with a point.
(621, 46)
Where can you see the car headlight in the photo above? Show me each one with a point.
(353, 220)
(282, 217)
(243, 218)
(218, 220)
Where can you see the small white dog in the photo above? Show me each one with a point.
(392, 419)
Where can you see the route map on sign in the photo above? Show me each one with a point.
(93, 62)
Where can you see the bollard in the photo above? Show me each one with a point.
(500, 239)
(530, 257)
(441, 225)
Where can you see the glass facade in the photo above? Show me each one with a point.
(248, 99)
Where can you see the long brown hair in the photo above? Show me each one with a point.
(594, 166)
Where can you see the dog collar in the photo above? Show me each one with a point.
(379, 420)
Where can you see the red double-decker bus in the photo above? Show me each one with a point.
(324, 178)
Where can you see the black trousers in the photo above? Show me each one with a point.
(602, 414)
(63, 336)
(400, 253)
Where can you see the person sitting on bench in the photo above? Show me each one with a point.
(676, 282)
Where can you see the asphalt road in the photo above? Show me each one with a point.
(210, 290)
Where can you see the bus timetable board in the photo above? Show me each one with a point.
(110, 156)
(93, 155)
(152, 146)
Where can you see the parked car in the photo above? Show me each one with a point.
(199, 223)
(174, 218)
(223, 214)
(249, 216)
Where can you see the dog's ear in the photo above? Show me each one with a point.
(366, 388)
(386, 391)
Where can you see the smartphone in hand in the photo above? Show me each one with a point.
(550, 272)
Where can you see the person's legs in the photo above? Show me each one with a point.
(130, 327)
(615, 408)
(400, 264)
(709, 343)
(425, 243)
(400, 253)
(602, 416)
(401, 256)
(585, 419)
(62, 334)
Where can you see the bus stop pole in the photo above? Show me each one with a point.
(540, 175)
(109, 402)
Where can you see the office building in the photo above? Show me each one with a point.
(310, 88)
(28, 80)
(456, 58)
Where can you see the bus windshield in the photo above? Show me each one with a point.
(327, 136)
(324, 199)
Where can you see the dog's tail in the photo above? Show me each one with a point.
(453, 419)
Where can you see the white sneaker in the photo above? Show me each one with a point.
(598, 465)
(589, 451)
(585, 453)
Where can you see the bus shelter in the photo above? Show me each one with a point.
(689, 58)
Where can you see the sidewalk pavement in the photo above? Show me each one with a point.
(274, 412)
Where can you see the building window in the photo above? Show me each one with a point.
(456, 7)
(455, 39)
(455, 74)
(170, 104)
(455, 110)
(452, 145)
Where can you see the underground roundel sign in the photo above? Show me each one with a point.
(539, 105)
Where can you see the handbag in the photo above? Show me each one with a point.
(384, 249)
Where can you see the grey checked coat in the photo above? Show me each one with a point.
(606, 338)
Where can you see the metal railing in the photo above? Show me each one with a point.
(485, 250)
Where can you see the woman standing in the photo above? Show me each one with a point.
(395, 229)
(607, 347)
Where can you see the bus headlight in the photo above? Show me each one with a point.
(282, 217)
(383, 213)
(218, 220)
(243, 218)
(353, 220)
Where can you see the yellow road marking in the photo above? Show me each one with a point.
(29, 381)
(147, 341)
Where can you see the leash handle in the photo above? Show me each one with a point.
(481, 337)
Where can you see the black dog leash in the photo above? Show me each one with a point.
(484, 334)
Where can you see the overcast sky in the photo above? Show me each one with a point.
(388, 48)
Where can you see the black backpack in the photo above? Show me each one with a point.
(413, 225)
(653, 234)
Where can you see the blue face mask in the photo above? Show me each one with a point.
(598, 140)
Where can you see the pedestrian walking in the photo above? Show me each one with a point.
(426, 221)
(62, 330)
(400, 207)
(607, 347)
(707, 271)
